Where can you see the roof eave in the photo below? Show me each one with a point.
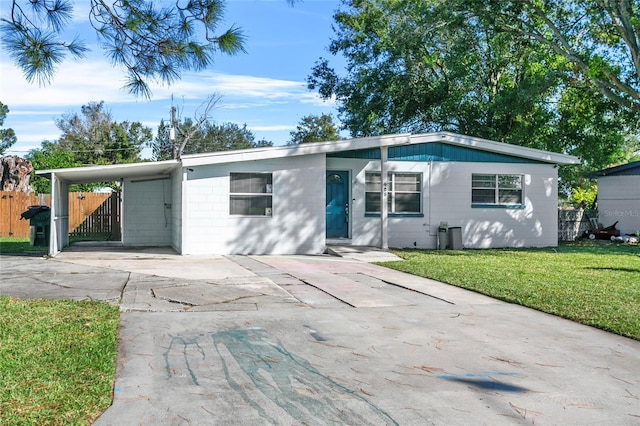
(294, 150)
(500, 148)
(111, 172)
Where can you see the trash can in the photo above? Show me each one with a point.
(442, 237)
(455, 238)
(39, 224)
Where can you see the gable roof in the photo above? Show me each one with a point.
(629, 169)
(161, 169)
(375, 142)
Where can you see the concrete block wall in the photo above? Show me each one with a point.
(446, 197)
(535, 225)
(297, 224)
(146, 215)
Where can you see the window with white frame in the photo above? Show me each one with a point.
(496, 189)
(250, 194)
(404, 192)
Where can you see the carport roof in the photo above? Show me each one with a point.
(109, 173)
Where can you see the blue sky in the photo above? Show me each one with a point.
(264, 88)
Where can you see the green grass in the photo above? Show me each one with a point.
(18, 245)
(596, 284)
(21, 245)
(57, 360)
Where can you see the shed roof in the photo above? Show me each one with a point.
(629, 169)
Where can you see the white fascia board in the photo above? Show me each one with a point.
(112, 172)
(497, 147)
(294, 150)
(376, 142)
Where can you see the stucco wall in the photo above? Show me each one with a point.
(446, 197)
(146, 213)
(297, 224)
(619, 200)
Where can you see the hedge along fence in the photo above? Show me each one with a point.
(572, 223)
(13, 204)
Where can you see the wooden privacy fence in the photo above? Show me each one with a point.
(572, 223)
(101, 221)
(87, 214)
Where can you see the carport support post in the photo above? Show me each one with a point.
(53, 205)
(384, 208)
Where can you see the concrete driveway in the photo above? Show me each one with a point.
(302, 340)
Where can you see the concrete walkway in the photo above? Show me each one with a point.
(326, 340)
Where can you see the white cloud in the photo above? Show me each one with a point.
(315, 100)
(77, 83)
(200, 85)
(244, 98)
(81, 12)
(274, 128)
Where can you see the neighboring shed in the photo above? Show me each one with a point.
(619, 196)
(394, 190)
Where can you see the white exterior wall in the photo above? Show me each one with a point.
(446, 197)
(535, 225)
(146, 213)
(176, 209)
(619, 200)
(297, 224)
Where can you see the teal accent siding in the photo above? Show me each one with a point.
(365, 154)
(435, 151)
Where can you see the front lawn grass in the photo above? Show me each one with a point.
(596, 284)
(18, 245)
(57, 360)
(14, 245)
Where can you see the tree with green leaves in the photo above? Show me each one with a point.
(421, 66)
(162, 146)
(48, 156)
(209, 137)
(153, 41)
(7, 136)
(436, 65)
(313, 128)
(225, 137)
(599, 39)
(95, 138)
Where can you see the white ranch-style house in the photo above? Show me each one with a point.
(385, 191)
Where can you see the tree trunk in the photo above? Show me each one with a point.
(15, 173)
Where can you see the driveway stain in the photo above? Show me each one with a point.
(183, 345)
(289, 382)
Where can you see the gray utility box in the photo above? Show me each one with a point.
(442, 237)
(455, 238)
(39, 225)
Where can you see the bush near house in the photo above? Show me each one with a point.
(593, 283)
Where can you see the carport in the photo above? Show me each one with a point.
(62, 179)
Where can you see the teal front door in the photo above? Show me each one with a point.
(337, 204)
